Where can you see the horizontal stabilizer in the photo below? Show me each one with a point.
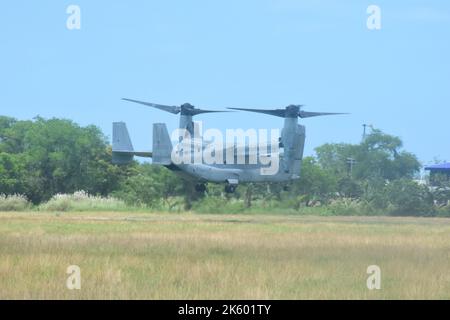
(144, 154)
(122, 149)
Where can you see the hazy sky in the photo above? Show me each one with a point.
(217, 54)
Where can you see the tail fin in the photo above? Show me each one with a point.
(121, 139)
(162, 146)
(122, 149)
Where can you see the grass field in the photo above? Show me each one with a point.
(193, 256)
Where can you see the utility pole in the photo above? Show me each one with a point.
(351, 162)
(364, 131)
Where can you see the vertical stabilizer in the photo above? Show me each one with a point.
(122, 149)
(121, 139)
(162, 146)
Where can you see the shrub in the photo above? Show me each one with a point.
(444, 211)
(348, 207)
(441, 195)
(82, 201)
(350, 188)
(218, 205)
(407, 197)
(14, 202)
(150, 186)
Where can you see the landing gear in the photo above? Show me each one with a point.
(231, 185)
(200, 187)
(230, 188)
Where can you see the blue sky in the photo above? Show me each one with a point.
(217, 54)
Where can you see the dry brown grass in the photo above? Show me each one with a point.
(187, 256)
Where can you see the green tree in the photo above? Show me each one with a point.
(149, 185)
(379, 156)
(12, 174)
(409, 198)
(54, 156)
(315, 181)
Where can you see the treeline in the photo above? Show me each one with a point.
(43, 160)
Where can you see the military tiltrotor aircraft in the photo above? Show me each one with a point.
(279, 161)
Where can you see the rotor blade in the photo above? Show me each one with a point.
(199, 111)
(275, 112)
(171, 109)
(307, 114)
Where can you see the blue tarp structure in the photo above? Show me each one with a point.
(437, 171)
(442, 167)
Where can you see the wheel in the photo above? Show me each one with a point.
(200, 187)
(230, 188)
